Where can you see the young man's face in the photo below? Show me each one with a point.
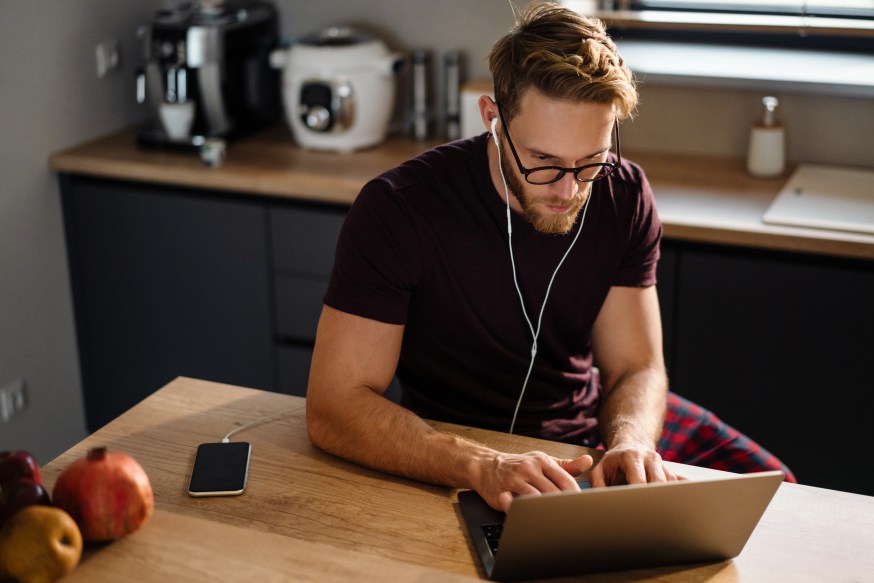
(549, 132)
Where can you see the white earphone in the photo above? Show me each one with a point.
(534, 333)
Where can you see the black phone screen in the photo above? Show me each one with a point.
(220, 469)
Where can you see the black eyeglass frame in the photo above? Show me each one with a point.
(608, 167)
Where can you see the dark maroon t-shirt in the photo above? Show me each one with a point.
(425, 245)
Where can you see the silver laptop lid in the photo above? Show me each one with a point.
(633, 526)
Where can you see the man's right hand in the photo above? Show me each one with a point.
(505, 476)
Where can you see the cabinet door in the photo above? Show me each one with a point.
(666, 286)
(294, 368)
(304, 239)
(166, 282)
(780, 346)
(298, 307)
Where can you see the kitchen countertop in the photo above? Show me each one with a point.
(700, 199)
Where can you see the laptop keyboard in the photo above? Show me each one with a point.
(492, 532)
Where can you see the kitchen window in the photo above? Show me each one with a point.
(823, 47)
(818, 24)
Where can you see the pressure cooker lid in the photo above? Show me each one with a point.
(337, 36)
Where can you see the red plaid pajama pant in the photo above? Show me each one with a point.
(695, 436)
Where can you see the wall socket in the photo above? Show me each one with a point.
(13, 399)
(108, 58)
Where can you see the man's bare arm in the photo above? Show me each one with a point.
(353, 363)
(627, 344)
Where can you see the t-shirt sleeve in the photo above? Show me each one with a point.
(638, 266)
(378, 258)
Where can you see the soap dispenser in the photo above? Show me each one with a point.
(766, 157)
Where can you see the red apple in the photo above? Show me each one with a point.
(20, 493)
(18, 464)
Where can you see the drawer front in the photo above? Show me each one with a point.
(294, 369)
(304, 240)
(298, 306)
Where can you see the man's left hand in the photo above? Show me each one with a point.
(630, 464)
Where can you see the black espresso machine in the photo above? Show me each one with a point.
(207, 72)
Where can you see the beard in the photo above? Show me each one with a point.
(543, 220)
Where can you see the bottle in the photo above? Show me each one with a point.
(766, 157)
(421, 115)
(452, 61)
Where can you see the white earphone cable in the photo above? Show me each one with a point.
(535, 333)
(258, 421)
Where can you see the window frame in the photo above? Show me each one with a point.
(653, 19)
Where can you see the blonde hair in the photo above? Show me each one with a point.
(563, 54)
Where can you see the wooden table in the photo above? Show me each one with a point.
(307, 515)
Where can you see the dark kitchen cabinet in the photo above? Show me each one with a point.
(166, 282)
(666, 277)
(779, 346)
(171, 282)
(304, 238)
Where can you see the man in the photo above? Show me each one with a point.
(493, 274)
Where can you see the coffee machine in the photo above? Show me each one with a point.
(207, 73)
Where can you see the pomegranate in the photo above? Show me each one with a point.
(108, 494)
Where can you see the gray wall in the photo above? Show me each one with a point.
(51, 99)
(716, 122)
(682, 120)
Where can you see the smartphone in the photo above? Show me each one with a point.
(220, 469)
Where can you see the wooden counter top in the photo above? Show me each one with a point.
(267, 163)
(706, 200)
(310, 516)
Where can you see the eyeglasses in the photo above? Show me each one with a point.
(550, 174)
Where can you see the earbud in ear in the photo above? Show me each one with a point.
(494, 123)
(494, 133)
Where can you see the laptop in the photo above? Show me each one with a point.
(620, 527)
